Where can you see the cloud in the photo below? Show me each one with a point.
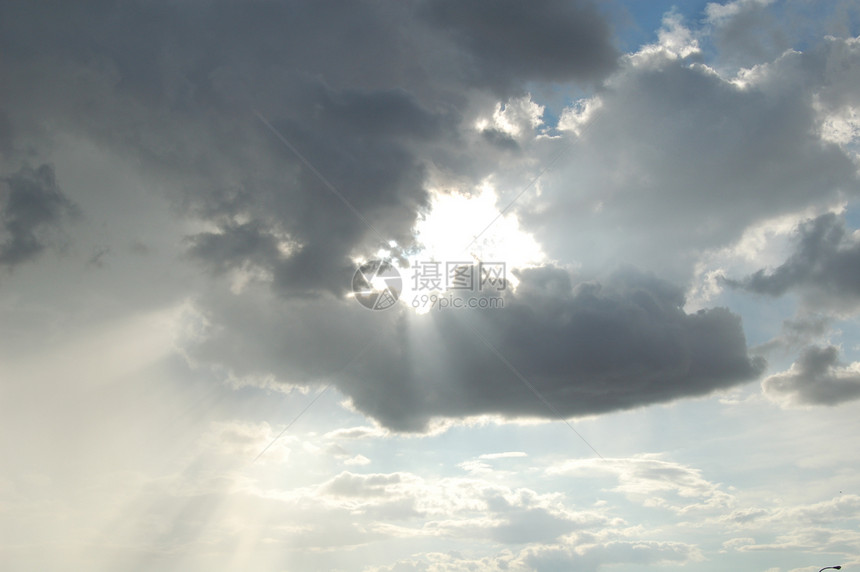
(358, 148)
(547, 40)
(561, 556)
(594, 558)
(484, 511)
(798, 332)
(357, 460)
(506, 455)
(277, 229)
(470, 507)
(674, 159)
(33, 211)
(351, 485)
(182, 108)
(159, 119)
(816, 378)
(351, 433)
(825, 266)
(743, 517)
(750, 32)
(811, 539)
(369, 120)
(843, 507)
(744, 32)
(655, 482)
(235, 246)
(587, 347)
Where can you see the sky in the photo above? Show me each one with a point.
(429, 285)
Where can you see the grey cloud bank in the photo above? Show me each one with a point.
(588, 347)
(380, 99)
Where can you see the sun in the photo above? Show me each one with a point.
(469, 228)
(458, 231)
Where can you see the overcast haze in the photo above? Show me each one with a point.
(667, 378)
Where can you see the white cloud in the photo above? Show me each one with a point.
(655, 482)
(505, 455)
(518, 118)
(358, 460)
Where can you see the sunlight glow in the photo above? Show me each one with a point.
(447, 232)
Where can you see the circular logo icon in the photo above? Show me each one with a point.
(377, 285)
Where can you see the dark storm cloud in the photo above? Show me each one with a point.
(368, 92)
(152, 44)
(33, 210)
(826, 263)
(816, 378)
(587, 347)
(182, 51)
(173, 87)
(544, 40)
(362, 143)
